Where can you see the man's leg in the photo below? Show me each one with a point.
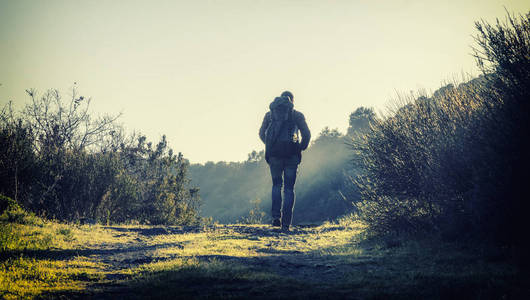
(276, 167)
(289, 196)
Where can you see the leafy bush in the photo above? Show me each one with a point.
(62, 163)
(456, 160)
(7, 204)
(10, 211)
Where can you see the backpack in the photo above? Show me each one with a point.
(281, 136)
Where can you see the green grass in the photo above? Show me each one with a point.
(27, 277)
(215, 279)
(47, 259)
(39, 256)
(415, 269)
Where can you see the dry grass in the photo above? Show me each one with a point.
(246, 261)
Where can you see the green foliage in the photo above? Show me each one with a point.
(12, 238)
(7, 204)
(153, 188)
(11, 212)
(62, 163)
(360, 120)
(456, 160)
(67, 233)
(8, 238)
(255, 215)
(28, 278)
(504, 56)
(17, 158)
(12, 216)
(249, 261)
(414, 161)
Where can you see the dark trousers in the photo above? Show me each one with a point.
(283, 172)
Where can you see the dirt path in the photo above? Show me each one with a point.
(258, 262)
(303, 254)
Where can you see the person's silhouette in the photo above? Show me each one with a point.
(280, 133)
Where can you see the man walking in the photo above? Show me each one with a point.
(280, 133)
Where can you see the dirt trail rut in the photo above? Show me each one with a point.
(303, 253)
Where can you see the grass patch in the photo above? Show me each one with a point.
(195, 279)
(26, 277)
(11, 212)
(433, 269)
(21, 237)
(37, 256)
(53, 260)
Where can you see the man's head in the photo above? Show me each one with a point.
(288, 95)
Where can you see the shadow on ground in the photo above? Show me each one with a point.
(250, 278)
(57, 254)
(397, 270)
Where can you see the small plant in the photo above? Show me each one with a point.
(67, 232)
(14, 237)
(255, 215)
(7, 204)
(8, 237)
(11, 212)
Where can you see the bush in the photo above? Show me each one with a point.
(11, 237)
(62, 163)
(7, 204)
(11, 212)
(455, 162)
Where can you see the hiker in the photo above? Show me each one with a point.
(283, 153)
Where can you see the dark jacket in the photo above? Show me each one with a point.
(300, 123)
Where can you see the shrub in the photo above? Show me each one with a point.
(62, 163)
(11, 212)
(455, 162)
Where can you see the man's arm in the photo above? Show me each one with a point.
(302, 125)
(264, 126)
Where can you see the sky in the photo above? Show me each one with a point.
(204, 72)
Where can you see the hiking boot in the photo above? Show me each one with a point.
(285, 229)
(276, 223)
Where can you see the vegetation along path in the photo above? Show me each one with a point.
(242, 261)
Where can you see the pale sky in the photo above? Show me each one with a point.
(204, 72)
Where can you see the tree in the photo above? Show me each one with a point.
(360, 120)
(255, 157)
